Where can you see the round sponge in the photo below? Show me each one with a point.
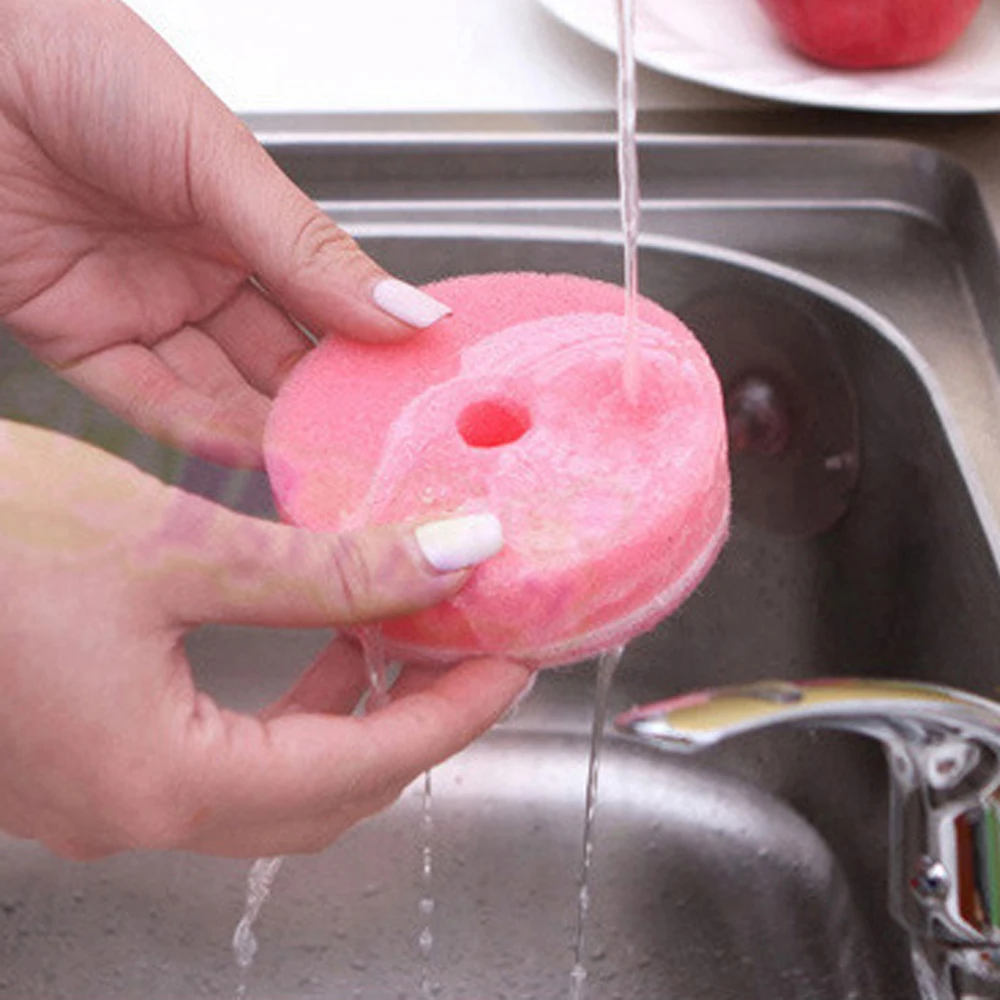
(612, 510)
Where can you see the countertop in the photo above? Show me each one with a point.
(404, 56)
(484, 65)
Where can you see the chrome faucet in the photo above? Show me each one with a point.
(943, 751)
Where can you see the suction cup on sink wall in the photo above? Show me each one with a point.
(793, 420)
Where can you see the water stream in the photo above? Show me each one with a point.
(263, 872)
(630, 211)
(376, 665)
(607, 664)
(425, 941)
(628, 188)
(379, 668)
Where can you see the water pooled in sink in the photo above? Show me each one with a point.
(607, 664)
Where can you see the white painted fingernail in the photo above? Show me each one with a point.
(460, 542)
(409, 304)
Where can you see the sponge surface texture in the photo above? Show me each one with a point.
(612, 511)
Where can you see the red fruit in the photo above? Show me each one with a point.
(870, 34)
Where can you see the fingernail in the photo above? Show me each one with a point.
(460, 542)
(408, 304)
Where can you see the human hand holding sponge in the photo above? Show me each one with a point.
(153, 254)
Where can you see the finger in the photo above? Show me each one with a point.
(415, 678)
(297, 783)
(434, 713)
(141, 388)
(76, 849)
(201, 363)
(334, 684)
(213, 565)
(262, 342)
(310, 265)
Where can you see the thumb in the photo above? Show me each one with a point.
(302, 258)
(227, 567)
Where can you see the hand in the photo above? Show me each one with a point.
(105, 742)
(134, 209)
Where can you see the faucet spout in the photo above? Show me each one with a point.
(943, 751)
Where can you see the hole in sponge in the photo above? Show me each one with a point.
(491, 423)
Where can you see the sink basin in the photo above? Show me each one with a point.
(687, 866)
(858, 281)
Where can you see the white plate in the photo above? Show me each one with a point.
(730, 44)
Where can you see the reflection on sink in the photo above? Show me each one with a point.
(704, 888)
(756, 871)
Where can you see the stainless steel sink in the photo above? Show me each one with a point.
(858, 283)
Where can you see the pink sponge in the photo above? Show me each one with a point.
(612, 512)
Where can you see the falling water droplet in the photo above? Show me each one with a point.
(425, 942)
